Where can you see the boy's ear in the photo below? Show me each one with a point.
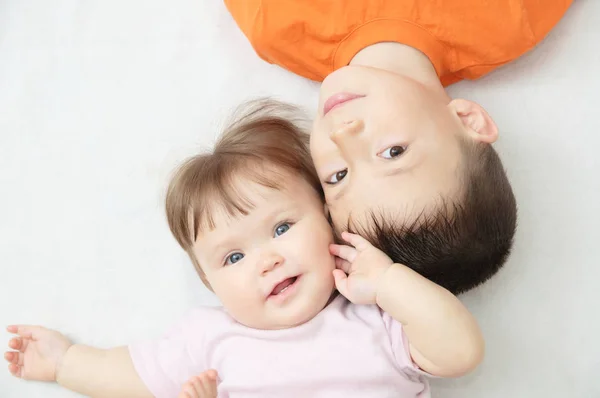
(478, 125)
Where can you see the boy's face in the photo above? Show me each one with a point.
(271, 268)
(394, 150)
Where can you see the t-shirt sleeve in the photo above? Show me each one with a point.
(166, 363)
(400, 347)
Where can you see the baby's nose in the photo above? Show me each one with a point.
(271, 261)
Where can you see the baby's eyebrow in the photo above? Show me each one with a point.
(218, 251)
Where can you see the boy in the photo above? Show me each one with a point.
(400, 162)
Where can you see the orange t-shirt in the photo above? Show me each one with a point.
(464, 39)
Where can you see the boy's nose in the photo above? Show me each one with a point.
(346, 130)
(350, 141)
(270, 261)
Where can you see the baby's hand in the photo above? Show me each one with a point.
(39, 352)
(202, 386)
(359, 268)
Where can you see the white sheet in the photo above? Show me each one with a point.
(100, 99)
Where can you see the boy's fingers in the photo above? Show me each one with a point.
(346, 252)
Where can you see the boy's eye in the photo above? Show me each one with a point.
(336, 177)
(392, 152)
(282, 229)
(233, 258)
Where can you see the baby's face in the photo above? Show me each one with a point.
(271, 268)
(395, 148)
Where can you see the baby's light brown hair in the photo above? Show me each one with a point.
(263, 139)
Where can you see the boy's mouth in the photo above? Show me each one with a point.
(338, 99)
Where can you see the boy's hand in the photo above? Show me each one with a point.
(202, 386)
(359, 268)
(39, 352)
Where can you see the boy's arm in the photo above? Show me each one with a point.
(47, 355)
(101, 373)
(443, 336)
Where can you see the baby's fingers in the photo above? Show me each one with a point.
(15, 370)
(345, 252)
(14, 357)
(342, 264)
(18, 344)
(201, 386)
(209, 386)
(355, 240)
(341, 282)
(188, 391)
(25, 331)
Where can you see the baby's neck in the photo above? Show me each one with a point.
(403, 60)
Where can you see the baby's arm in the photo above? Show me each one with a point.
(444, 337)
(47, 355)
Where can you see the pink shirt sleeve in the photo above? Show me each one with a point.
(168, 362)
(400, 347)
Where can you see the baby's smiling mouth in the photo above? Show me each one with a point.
(283, 286)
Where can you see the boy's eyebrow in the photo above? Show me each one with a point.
(386, 173)
(340, 193)
(395, 171)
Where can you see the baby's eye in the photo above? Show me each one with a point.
(282, 229)
(336, 177)
(392, 152)
(233, 258)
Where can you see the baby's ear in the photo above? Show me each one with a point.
(477, 123)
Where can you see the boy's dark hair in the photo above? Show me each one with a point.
(463, 243)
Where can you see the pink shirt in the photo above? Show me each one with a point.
(346, 351)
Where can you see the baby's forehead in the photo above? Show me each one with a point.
(247, 210)
(233, 229)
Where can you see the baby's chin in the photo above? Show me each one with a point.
(286, 318)
(271, 322)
